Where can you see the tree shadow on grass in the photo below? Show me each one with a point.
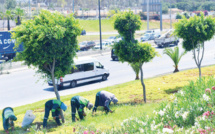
(172, 90)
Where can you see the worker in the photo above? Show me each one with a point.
(8, 118)
(78, 102)
(55, 106)
(104, 98)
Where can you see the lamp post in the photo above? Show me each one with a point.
(100, 26)
(147, 14)
(73, 7)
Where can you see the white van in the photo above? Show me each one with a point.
(83, 70)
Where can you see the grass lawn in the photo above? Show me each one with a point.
(107, 25)
(130, 102)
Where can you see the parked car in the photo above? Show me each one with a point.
(111, 39)
(91, 44)
(166, 39)
(147, 37)
(83, 70)
(154, 31)
(118, 38)
(105, 44)
(84, 46)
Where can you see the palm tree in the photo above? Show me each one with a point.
(19, 13)
(175, 56)
(136, 69)
(2, 18)
(9, 15)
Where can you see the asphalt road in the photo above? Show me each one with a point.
(25, 87)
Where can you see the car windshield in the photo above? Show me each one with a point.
(148, 31)
(146, 36)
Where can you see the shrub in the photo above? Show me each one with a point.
(178, 16)
(143, 16)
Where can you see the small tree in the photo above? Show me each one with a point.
(19, 13)
(194, 32)
(9, 15)
(175, 56)
(128, 49)
(50, 42)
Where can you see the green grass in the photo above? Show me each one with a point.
(107, 25)
(130, 101)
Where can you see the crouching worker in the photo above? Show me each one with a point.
(8, 118)
(78, 102)
(104, 98)
(55, 106)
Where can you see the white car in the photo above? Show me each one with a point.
(111, 39)
(83, 70)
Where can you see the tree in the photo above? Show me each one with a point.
(128, 49)
(50, 42)
(175, 56)
(194, 32)
(10, 4)
(9, 15)
(19, 13)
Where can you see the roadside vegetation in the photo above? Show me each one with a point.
(131, 104)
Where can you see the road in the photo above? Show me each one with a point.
(25, 87)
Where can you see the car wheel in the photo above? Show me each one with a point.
(104, 77)
(73, 84)
(116, 58)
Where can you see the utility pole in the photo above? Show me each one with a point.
(73, 7)
(147, 14)
(170, 14)
(29, 8)
(100, 26)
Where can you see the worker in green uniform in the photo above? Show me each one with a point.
(8, 118)
(55, 106)
(104, 98)
(78, 102)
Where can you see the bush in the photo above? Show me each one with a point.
(165, 9)
(156, 17)
(178, 16)
(191, 111)
(186, 15)
(143, 16)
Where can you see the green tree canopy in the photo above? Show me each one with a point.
(126, 23)
(194, 32)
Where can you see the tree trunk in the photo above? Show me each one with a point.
(57, 95)
(55, 89)
(200, 72)
(18, 20)
(176, 69)
(137, 77)
(142, 82)
(8, 23)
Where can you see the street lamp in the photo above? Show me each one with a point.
(100, 26)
